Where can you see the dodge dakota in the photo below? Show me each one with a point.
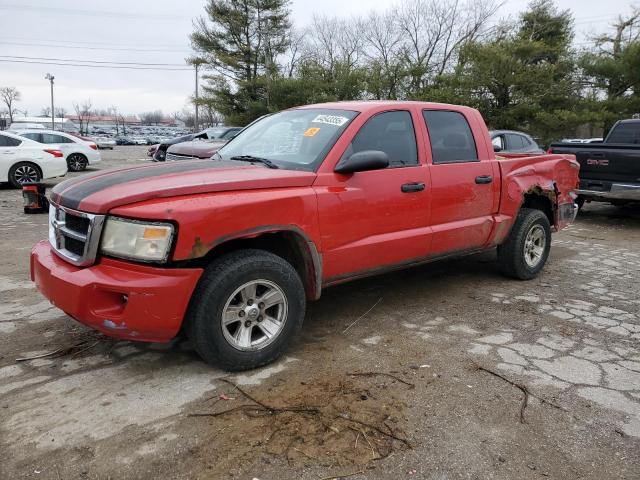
(229, 250)
(609, 170)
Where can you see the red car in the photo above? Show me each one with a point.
(230, 250)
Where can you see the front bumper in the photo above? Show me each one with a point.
(120, 299)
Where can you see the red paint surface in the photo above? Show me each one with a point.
(157, 298)
(359, 223)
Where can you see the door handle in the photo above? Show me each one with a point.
(412, 187)
(482, 179)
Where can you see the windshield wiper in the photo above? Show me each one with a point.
(251, 158)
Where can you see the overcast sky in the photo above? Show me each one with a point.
(156, 32)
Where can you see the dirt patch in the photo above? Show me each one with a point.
(338, 422)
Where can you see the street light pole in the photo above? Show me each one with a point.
(196, 97)
(53, 114)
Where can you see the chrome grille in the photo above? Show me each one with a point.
(176, 156)
(74, 235)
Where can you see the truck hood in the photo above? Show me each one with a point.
(107, 189)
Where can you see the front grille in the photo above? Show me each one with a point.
(78, 224)
(74, 235)
(176, 156)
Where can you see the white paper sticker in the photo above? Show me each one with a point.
(336, 120)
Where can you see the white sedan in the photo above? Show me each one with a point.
(79, 152)
(23, 160)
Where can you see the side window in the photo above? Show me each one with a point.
(230, 134)
(450, 136)
(52, 138)
(515, 142)
(9, 141)
(32, 136)
(390, 132)
(498, 142)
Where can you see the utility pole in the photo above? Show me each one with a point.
(53, 113)
(196, 97)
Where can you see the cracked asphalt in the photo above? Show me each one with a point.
(467, 339)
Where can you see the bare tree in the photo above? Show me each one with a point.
(83, 112)
(434, 30)
(9, 95)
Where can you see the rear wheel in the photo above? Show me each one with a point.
(77, 162)
(526, 250)
(24, 172)
(246, 309)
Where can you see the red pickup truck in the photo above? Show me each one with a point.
(229, 250)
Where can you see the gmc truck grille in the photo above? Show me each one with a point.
(74, 235)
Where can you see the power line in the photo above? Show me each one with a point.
(84, 42)
(145, 50)
(96, 13)
(97, 66)
(94, 61)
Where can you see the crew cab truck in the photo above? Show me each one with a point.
(229, 250)
(609, 171)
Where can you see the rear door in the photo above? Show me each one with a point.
(465, 183)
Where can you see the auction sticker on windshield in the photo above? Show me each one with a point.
(336, 120)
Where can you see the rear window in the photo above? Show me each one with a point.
(625, 133)
(9, 141)
(450, 136)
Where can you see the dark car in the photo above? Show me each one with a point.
(610, 170)
(214, 133)
(510, 141)
(194, 150)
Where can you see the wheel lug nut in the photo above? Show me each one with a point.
(249, 302)
(260, 318)
(261, 305)
(241, 313)
(247, 323)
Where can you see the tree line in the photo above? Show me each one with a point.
(522, 74)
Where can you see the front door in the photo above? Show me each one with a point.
(374, 219)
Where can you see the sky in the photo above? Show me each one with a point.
(156, 32)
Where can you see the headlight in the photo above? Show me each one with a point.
(136, 239)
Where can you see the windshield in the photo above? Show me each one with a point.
(215, 132)
(292, 139)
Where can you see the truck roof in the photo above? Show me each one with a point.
(363, 106)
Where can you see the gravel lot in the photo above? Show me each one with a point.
(448, 352)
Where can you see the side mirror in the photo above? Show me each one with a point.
(497, 148)
(363, 161)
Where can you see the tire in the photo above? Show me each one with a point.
(23, 172)
(526, 250)
(580, 201)
(76, 162)
(225, 286)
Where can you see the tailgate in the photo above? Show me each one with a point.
(605, 163)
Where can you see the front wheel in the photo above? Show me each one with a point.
(246, 309)
(526, 250)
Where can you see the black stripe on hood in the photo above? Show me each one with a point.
(74, 195)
